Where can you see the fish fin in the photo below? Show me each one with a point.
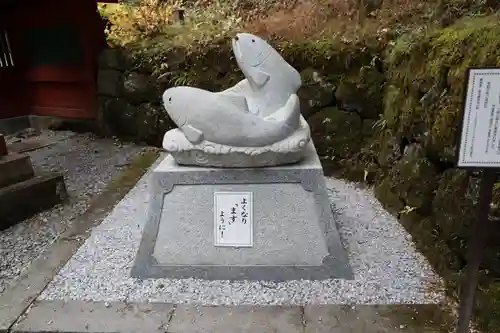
(258, 77)
(289, 114)
(239, 88)
(237, 100)
(193, 135)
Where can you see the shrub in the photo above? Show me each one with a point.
(149, 23)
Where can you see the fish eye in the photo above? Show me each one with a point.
(253, 40)
(170, 99)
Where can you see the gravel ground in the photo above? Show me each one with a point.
(88, 164)
(387, 268)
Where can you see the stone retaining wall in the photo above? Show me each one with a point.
(130, 101)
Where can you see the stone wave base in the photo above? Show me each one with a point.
(288, 151)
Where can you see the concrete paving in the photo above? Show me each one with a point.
(78, 316)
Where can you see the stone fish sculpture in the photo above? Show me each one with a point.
(270, 80)
(226, 119)
(255, 123)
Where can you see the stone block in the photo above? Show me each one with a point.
(13, 125)
(118, 117)
(294, 232)
(110, 83)
(139, 88)
(15, 168)
(265, 319)
(21, 200)
(392, 318)
(3, 146)
(93, 317)
(112, 58)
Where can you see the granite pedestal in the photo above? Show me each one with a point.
(294, 233)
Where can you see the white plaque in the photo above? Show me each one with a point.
(233, 219)
(480, 137)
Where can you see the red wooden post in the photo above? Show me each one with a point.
(3, 146)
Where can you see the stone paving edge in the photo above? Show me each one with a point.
(123, 317)
(18, 297)
(90, 317)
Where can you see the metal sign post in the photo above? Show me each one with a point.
(479, 148)
(476, 246)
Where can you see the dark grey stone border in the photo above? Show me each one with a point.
(309, 174)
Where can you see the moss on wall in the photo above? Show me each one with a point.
(422, 106)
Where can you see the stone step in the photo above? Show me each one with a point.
(15, 168)
(3, 146)
(24, 199)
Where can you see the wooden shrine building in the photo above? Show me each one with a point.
(48, 59)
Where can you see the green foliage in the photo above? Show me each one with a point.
(423, 101)
(146, 19)
(380, 124)
(107, 9)
(425, 93)
(488, 309)
(149, 25)
(180, 78)
(478, 35)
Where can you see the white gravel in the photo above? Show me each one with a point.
(88, 164)
(388, 269)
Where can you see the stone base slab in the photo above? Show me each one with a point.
(295, 236)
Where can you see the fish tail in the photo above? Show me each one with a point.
(292, 117)
(289, 114)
